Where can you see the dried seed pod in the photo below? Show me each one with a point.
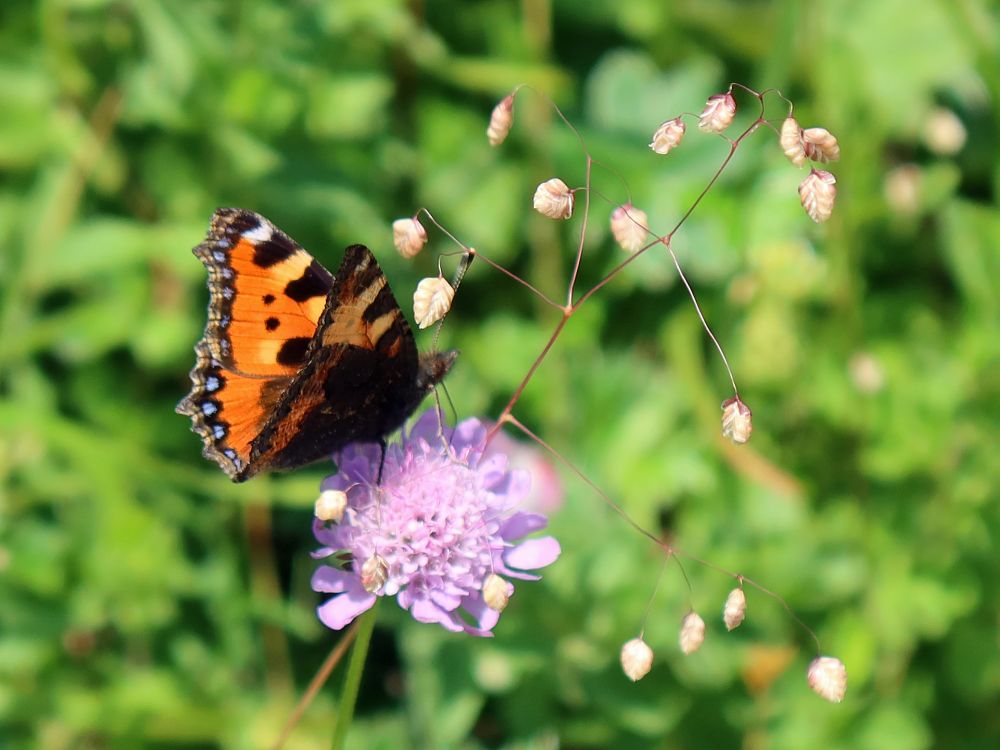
(791, 141)
(817, 192)
(718, 113)
(737, 420)
(409, 237)
(827, 677)
(496, 592)
(432, 300)
(374, 573)
(692, 633)
(554, 199)
(331, 505)
(636, 659)
(501, 121)
(668, 136)
(628, 225)
(735, 609)
(820, 145)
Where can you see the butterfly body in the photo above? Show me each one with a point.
(296, 363)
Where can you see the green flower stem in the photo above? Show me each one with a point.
(349, 695)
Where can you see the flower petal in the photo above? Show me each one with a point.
(339, 611)
(521, 524)
(533, 553)
(485, 617)
(425, 610)
(329, 580)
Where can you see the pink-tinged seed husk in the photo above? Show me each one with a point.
(735, 609)
(737, 420)
(791, 141)
(331, 505)
(718, 113)
(692, 633)
(628, 225)
(501, 120)
(496, 592)
(817, 193)
(554, 199)
(668, 136)
(827, 677)
(636, 659)
(432, 300)
(409, 237)
(820, 145)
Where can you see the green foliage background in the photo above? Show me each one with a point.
(146, 601)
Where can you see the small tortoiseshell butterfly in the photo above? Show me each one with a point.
(295, 363)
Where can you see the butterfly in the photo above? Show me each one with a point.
(296, 363)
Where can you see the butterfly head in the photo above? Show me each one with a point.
(433, 367)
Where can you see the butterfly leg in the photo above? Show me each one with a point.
(381, 460)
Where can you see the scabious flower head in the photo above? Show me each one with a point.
(443, 520)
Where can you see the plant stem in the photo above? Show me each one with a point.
(349, 695)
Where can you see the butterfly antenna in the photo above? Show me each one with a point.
(460, 272)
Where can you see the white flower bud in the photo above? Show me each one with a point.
(554, 199)
(496, 592)
(820, 145)
(692, 633)
(409, 237)
(737, 420)
(735, 609)
(374, 573)
(501, 121)
(668, 136)
(718, 113)
(817, 193)
(628, 225)
(331, 505)
(636, 659)
(828, 678)
(432, 300)
(791, 141)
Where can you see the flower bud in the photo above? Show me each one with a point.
(331, 505)
(432, 300)
(496, 592)
(820, 145)
(817, 192)
(501, 121)
(828, 678)
(374, 573)
(554, 199)
(791, 141)
(628, 225)
(668, 136)
(692, 633)
(409, 237)
(636, 659)
(735, 609)
(718, 113)
(737, 420)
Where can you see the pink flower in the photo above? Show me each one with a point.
(442, 521)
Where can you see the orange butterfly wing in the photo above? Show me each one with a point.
(266, 297)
